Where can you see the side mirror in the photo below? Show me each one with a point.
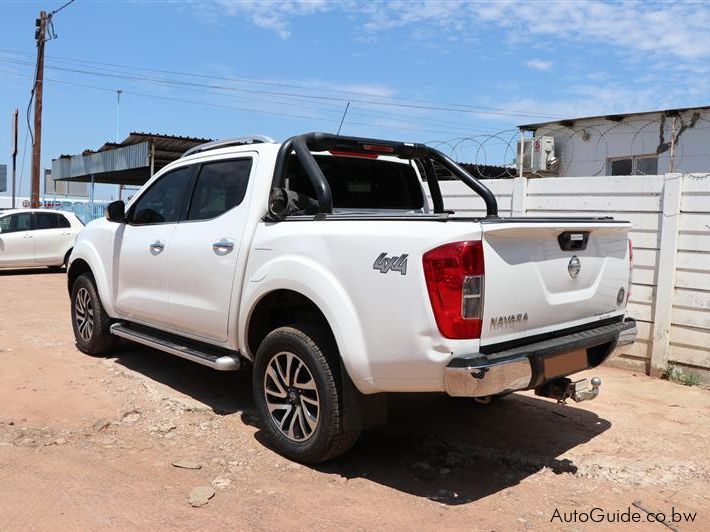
(116, 211)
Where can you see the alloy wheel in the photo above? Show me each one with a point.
(84, 314)
(291, 396)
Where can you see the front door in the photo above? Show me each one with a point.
(143, 244)
(206, 246)
(17, 248)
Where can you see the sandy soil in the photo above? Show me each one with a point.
(88, 443)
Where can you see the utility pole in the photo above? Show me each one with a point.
(118, 111)
(15, 117)
(40, 33)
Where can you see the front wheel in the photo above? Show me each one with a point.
(298, 392)
(89, 319)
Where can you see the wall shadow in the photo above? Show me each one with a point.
(448, 450)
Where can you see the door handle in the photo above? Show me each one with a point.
(156, 247)
(27, 236)
(223, 247)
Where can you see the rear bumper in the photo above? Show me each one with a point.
(521, 368)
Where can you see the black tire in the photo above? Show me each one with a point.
(86, 306)
(66, 257)
(337, 427)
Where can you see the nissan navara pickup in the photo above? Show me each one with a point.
(331, 267)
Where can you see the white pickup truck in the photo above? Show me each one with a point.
(322, 262)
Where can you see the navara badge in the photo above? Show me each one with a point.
(574, 266)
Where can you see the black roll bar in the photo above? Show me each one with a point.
(303, 152)
(434, 188)
(304, 144)
(472, 183)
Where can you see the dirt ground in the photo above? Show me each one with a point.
(88, 443)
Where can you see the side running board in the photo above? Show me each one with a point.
(182, 347)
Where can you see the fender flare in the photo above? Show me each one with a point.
(87, 253)
(312, 280)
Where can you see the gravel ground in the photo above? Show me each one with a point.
(123, 442)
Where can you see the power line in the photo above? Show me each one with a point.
(331, 107)
(245, 109)
(58, 10)
(390, 101)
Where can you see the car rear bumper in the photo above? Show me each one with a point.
(531, 365)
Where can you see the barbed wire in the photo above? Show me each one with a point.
(633, 146)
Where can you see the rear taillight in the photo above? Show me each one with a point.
(631, 269)
(454, 276)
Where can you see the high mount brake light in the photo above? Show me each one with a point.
(454, 276)
(342, 153)
(381, 149)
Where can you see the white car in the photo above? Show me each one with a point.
(320, 263)
(37, 237)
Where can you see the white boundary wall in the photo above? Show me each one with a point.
(670, 214)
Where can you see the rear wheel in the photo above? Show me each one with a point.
(89, 319)
(298, 392)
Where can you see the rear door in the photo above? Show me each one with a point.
(143, 244)
(52, 237)
(542, 277)
(17, 240)
(206, 246)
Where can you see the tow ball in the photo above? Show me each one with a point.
(564, 388)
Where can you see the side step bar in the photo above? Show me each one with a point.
(212, 359)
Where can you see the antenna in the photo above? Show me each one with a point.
(343, 119)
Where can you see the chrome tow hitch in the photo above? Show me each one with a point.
(564, 388)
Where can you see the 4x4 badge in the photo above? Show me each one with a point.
(393, 264)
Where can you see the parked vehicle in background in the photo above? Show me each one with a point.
(37, 237)
(320, 262)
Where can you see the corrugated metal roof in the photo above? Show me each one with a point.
(116, 160)
(614, 118)
(127, 162)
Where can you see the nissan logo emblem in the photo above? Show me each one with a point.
(574, 266)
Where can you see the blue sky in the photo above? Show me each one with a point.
(418, 70)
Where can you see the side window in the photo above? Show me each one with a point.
(20, 222)
(5, 224)
(46, 220)
(62, 221)
(161, 203)
(219, 187)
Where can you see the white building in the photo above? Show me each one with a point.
(657, 142)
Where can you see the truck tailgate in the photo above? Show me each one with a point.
(544, 275)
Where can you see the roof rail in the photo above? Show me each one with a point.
(236, 141)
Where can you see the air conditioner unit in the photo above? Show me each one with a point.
(538, 155)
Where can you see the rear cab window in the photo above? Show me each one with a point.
(362, 183)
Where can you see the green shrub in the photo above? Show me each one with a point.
(676, 374)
